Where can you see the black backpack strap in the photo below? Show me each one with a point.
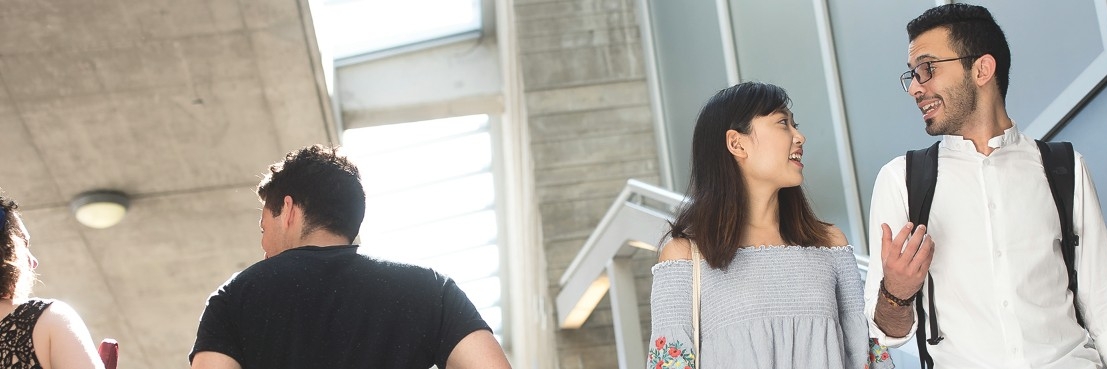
(1058, 161)
(922, 177)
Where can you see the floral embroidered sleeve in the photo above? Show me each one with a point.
(879, 358)
(671, 344)
(670, 354)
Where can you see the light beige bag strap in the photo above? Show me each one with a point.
(696, 302)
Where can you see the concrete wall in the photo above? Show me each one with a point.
(591, 129)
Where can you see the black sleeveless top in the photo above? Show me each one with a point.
(17, 351)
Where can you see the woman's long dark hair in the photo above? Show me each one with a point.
(718, 199)
(16, 276)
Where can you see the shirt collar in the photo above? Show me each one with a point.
(1010, 136)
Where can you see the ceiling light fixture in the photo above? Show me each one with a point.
(100, 209)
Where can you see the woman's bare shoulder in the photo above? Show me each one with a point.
(59, 310)
(837, 238)
(676, 249)
(59, 319)
(68, 341)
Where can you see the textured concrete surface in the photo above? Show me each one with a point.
(591, 130)
(182, 105)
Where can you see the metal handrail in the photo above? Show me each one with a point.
(633, 187)
(636, 220)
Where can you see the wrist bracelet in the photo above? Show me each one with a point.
(892, 299)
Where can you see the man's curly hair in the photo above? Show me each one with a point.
(321, 181)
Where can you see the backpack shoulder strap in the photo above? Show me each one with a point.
(922, 177)
(1058, 161)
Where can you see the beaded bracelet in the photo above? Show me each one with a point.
(892, 299)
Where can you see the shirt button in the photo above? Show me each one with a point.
(1005, 305)
(987, 162)
(992, 205)
(999, 254)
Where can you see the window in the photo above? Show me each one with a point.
(356, 27)
(431, 201)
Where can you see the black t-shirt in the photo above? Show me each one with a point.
(330, 307)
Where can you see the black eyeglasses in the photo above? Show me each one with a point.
(924, 72)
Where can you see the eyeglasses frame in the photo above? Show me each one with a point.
(906, 77)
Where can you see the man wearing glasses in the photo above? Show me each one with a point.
(991, 249)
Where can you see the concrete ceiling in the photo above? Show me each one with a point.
(180, 104)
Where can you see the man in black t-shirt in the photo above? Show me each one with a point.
(315, 302)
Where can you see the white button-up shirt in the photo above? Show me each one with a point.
(999, 278)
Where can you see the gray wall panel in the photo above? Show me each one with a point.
(1051, 43)
(691, 68)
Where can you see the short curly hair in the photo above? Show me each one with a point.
(16, 276)
(321, 181)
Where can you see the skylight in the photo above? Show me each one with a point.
(356, 27)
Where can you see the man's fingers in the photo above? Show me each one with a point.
(892, 249)
(915, 241)
(901, 237)
(904, 257)
(886, 242)
(922, 259)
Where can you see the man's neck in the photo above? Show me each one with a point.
(322, 239)
(985, 124)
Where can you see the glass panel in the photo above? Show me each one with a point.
(459, 265)
(355, 27)
(494, 317)
(434, 201)
(430, 239)
(483, 292)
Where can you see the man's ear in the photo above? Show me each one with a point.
(288, 211)
(734, 141)
(984, 69)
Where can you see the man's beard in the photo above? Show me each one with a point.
(961, 104)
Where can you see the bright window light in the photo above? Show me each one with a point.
(355, 27)
(495, 323)
(431, 201)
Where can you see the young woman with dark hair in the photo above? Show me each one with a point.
(779, 288)
(34, 333)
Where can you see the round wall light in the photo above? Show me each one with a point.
(100, 209)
